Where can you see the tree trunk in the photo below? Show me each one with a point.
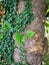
(35, 47)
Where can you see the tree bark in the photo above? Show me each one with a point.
(35, 47)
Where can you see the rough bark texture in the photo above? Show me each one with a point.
(34, 47)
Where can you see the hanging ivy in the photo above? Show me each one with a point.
(13, 22)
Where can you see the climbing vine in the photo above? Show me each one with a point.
(13, 22)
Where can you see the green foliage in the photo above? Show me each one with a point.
(22, 56)
(46, 55)
(29, 33)
(24, 17)
(6, 47)
(13, 23)
(46, 58)
(47, 24)
(10, 8)
(1, 34)
(47, 29)
(19, 38)
(6, 25)
(47, 1)
(47, 12)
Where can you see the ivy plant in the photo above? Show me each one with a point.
(29, 34)
(14, 22)
(19, 38)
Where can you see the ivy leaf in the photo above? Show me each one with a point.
(29, 33)
(19, 38)
(1, 35)
(6, 25)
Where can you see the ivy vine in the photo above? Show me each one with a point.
(13, 22)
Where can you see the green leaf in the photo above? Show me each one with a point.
(1, 35)
(29, 33)
(47, 10)
(47, 1)
(47, 23)
(19, 38)
(6, 25)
